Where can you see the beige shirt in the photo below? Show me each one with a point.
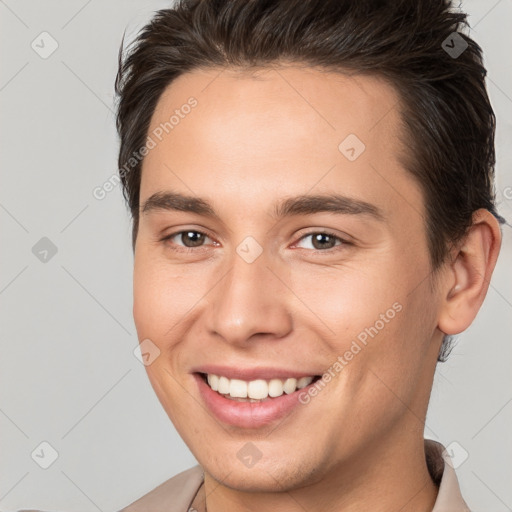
(177, 494)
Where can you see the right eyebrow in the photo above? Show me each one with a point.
(178, 202)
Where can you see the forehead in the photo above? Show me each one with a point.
(265, 102)
(275, 130)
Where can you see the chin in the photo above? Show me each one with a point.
(254, 480)
(271, 475)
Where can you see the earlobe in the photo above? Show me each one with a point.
(469, 273)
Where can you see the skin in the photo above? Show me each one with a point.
(253, 140)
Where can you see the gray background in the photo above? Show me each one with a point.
(68, 373)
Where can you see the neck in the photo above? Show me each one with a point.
(386, 476)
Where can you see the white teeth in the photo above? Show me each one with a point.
(290, 385)
(275, 388)
(303, 382)
(223, 388)
(213, 380)
(256, 390)
(238, 388)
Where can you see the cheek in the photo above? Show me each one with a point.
(399, 356)
(157, 294)
(165, 297)
(384, 314)
(346, 302)
(146, 289)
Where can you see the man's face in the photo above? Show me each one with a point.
(252, 295)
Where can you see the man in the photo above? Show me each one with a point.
(311, 185)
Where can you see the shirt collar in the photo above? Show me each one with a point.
(440, 466)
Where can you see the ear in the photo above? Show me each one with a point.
(469, 273)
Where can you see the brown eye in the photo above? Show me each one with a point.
(187, 239)
(192, 238)
(323, 241)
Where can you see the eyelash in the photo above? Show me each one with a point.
(183, 249)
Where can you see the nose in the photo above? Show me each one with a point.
(251, 299)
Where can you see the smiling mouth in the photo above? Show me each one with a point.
(259, 390)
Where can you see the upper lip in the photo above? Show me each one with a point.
(249, 374)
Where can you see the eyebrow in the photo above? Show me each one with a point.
(297, 205)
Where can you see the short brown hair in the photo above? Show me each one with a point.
(445, 109)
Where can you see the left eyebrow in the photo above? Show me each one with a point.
(333, 203)
(297, 205)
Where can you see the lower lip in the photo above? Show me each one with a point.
(248, 414)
